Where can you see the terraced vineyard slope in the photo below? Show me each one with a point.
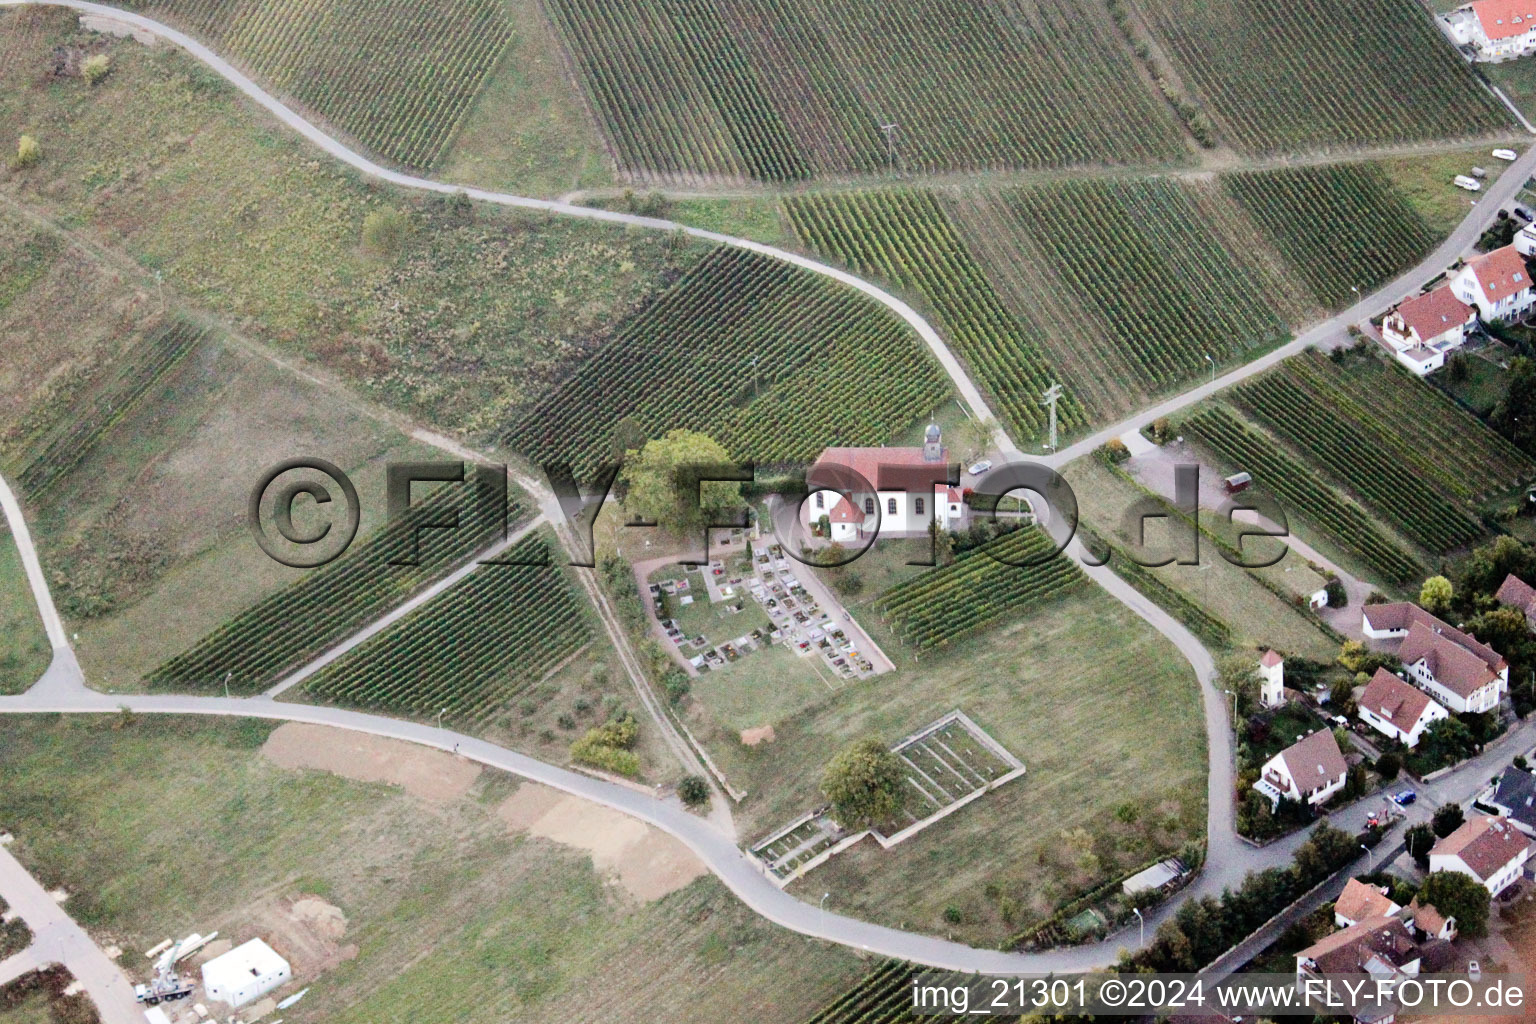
(904, 237)
(770, 360)
(1332, 419)
(470, 652)
(1291, 76)
(778, 90)
(1004, 577)
(1340, 228)
(295, 624)
(397, 75)
(1302, 492)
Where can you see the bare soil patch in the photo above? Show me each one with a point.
(645, 862)
(762, 734)
(305, 930)
(428, 775)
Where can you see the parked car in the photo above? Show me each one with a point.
(978, 468)
(1340, 721)
(1505, 154)
(1404, 798)
(1470, 184)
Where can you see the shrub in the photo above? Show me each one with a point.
(96, 68)
(1447, 820)
(865, 784)
(675, 683)
(607, 745)
(28, 151)
(385, 231)
(693, 790)
(1114, 451)
(1389, 764)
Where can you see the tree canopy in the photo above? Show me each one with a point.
(864, 783)
(661, 482)
(1435, 595)
(1460, 896)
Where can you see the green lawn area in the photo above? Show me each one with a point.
(1517, 78)
(1286, 725)
(758, 218)
(24, 650)
(1483, 387)
(453, 916)
(1102, 711)
(1256, 615)
(1425, 181)
(31, 1010)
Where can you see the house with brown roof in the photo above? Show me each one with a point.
(1423, 330)
(1494, 30)
(1397, 710)
(1428, 923)
(1310, 770)
(1359, 902)
(1516, 593)
(1462, 672)
(865, 492)
(1380, 947)
(1498, 284)
(1488, 848)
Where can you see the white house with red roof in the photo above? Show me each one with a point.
(1498, 283)
(884, 491)
(1514, 592)
(1312, 769)
(1495, 30)
(1424, 330)
(1489, 849)
(1397, 710)
(1462, 672)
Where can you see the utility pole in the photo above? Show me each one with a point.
(1052, 396)
(890, 143)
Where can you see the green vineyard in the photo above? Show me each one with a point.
(1303, 493)
(883, 996)
(905, 237)
(1321, 418)
(471, 651)
(295, 624)
(977, 589)
(397, 75)
(773, 361)
(778, 90)
(96, 413)
(1344, 230)
(1288, 76)
(1162, 285)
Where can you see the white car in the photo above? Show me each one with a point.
(978, 468)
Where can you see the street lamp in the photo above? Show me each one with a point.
(440, 717)
(227, 677)
(822, 906)
(1233, 695)
(1213, 367)
(1143, 923)
(1370, 859)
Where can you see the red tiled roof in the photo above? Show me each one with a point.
(1314, 761)
(1515, 591)
(1485, 844)
(1502, 272)
(844, 512)
(1454, 667)
(1402, 615)
(1434, 314)
(1359, 901)
(1384, 938)
(1271, 658)
(1502, 19)
(1425, 917)
(1396, 701)
(884, 469)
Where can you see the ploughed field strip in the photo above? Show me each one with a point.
(904, 237)
(1288, 76)
(978, 589)
(781, 90)
(1332, 421)
(294, 625)
(1303, 492)
(1339, 228)
(107, 392)
(397, 75)
(471, 651)
(829, 362)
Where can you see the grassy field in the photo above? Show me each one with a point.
(451, 915)
(398, 77)
(462, 317)
(1286, 77)
(1059, 671)
(1425, 181)
(1255, 614)
(24, 652)
(782, 90)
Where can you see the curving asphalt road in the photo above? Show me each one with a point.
(63, 689)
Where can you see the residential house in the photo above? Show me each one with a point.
(1427, 923)
(1514, 797)
(1312, 769)
(1498, 284)
(1398, 710)
(1456, 668)
(1271, 679)
(1516, 593)
(1380, 947)
(1494, 30)
(1360, 902)
(1422, 331)
(1488, 848)
(884, 491)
